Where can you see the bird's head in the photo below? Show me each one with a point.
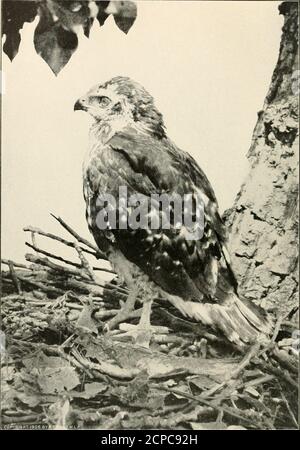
(121, 102)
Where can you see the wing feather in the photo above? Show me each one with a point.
(147, 165)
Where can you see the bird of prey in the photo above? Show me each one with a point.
(129, 146)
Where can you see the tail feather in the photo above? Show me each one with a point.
(255, 316)
(240, 323)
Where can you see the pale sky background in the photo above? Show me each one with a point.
(208, 66)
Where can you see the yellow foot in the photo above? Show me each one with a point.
(140, 334)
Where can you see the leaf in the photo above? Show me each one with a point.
(136, 391)
(92, 390)
(14, 15)
(124, 13)
(30, 399)
(54, 374)
(8, 399)
(87, 27)
(55, 37)
(47, 46)
(102, 15)
(138, 388)
(55, 381)
(19, 391)
(54, 43)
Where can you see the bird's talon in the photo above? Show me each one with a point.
(140, 335)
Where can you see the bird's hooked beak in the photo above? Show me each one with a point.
(80, 105)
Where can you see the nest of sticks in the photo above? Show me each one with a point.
(59, 369)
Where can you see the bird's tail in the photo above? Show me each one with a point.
(242, 322)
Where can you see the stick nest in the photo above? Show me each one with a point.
(60, 370)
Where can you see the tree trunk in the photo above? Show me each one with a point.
(263, 222)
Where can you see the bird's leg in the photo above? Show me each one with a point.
(143, 332)
(146, 314)
(125, 311)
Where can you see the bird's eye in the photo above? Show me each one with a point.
(103, 101)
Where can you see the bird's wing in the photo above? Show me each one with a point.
(188, 268)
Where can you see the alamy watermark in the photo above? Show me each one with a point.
(155, 212)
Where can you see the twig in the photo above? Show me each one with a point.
(33, 240)
(79, 238)
(277, 328)
(260, 380)
(107, 368)
(88, 285)
(21, 419)
(235, 373)
(289, 408)
(14, 277)
(66, 261)
(283, 374)
(76, 272)
(89, 288)
(41, 286)
(203, 401)
(85, 264)
(196, 328)
(53, 266)
(18, 265)
(246, 360)
(60, 239)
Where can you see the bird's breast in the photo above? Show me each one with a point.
(93, 153)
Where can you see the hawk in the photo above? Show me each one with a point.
(129, 146)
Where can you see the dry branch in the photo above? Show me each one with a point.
(69, 303)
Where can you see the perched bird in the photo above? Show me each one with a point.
(129, 147)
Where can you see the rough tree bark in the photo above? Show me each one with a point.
(263, 221)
